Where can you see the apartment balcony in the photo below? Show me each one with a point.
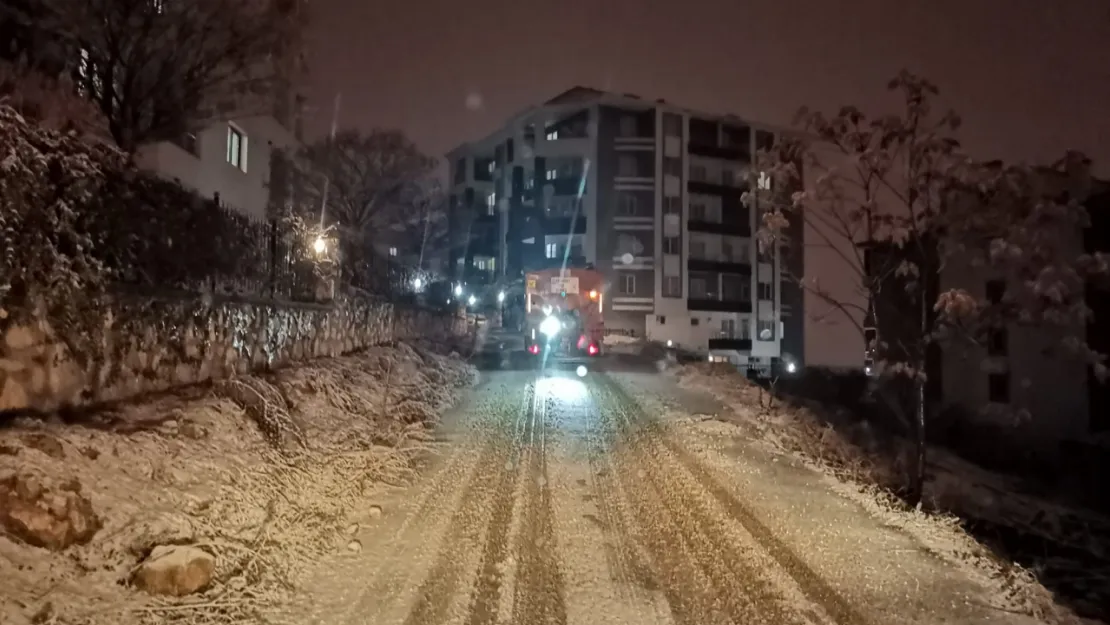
(564, 185)
(484, 218)
(710, 302)
(731, 227)
(564, 224)
(574, 260)
(739, 345)
(709, 150)
(719, 264)
(716, 187)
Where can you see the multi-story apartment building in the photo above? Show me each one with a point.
(649, 194)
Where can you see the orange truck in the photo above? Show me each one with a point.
(563, 313)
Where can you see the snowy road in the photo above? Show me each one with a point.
(570, 501)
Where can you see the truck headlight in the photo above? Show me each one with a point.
(550, 326)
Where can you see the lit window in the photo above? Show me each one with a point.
(159, 6)
(764, 181)
(491, 167)
(552, 250)
(552, 135)
(237, 148)
(392, 251)
(491, 203)
(552, 174)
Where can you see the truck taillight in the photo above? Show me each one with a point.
(592, 349)
(534, 349)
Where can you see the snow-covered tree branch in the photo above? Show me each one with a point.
(900, 205)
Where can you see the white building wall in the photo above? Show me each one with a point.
(667, 264)
(208, 172)
(1050, 390)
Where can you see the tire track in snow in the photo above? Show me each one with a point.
(485, 599)
(690, 589)
(540, 593)
(663, 450)
(628, 568)
(475, 517)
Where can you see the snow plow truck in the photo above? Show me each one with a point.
(563, 321)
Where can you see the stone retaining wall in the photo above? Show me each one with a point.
(150, 345)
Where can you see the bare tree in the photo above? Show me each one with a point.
(421, 230)
(158, 68)
(368, 189)
(902, 206)
(50, 102)
(365, 182)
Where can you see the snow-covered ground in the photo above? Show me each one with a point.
(260, 472)
(957, 492)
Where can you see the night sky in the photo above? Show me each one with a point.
(1030, 77)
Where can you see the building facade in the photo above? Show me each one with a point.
(1016, 378)
(649, 194)
(242, 158)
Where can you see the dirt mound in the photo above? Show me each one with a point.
(260, 472)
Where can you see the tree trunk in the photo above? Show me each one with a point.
(917, 471)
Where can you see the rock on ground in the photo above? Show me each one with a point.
(52, 517)
(175, 570)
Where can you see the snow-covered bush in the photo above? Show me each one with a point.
(76, 218)
(48, 183)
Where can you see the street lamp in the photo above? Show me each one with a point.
(501, 297)
(471, 300)
(320, 246)
(458, 290)
(417, 283)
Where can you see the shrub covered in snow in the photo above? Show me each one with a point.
(76, 217)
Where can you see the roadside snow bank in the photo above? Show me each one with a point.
(848, 456)
(261, 473)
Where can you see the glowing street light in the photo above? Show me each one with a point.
(417, 283)
(501, 297)
(320, 245)
(458, 290)
(471, 300)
